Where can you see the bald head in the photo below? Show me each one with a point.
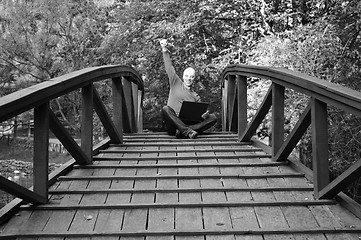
(189, 75)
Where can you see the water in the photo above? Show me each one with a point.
(20, 178)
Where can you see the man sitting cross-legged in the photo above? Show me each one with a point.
(180, 90)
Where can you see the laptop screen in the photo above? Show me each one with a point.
(191, 112)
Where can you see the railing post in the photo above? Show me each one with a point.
(41, 153)
(278, 117)
(135, 106)
(242, 105)
(224, 105)
(117, 96)
(140, 111)
(127, 90)
(231, 105)
(321, 175)
(87, 121)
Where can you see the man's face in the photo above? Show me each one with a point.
(188, 77)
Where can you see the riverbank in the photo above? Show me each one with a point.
(16, 164)
(9, 168)
(20, 172)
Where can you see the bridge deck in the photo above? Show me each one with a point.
(159, 187)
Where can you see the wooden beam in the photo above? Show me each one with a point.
(258, 118)
(231, 104)
(68, 142)
(278, 117)
(28, 98)
(225, 156)
(319, 145)
(203, 176)
(295, 136)
(183, 205)
(41, 153)
(140, 112)
(242, 104)
(21, 192)
(87, 120)
(135, 105)
(179, 165)
(181, 190)
(105, 118)
(224, 105)
(128, 103)
(174, 151)
(341, 182)
(117, 97)
(187, 233)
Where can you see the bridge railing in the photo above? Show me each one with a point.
(322, 94)
(127, 97)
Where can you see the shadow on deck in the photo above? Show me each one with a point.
(158, 187)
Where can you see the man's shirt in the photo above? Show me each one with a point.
(178, 92)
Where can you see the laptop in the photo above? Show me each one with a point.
(191, 112)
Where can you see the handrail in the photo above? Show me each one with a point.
(322, 94)
(127, 97)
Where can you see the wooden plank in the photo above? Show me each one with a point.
(128, 103)
(331, 93)
(111, 220)
(188, 219)
(224, 104)
(182, 205)
(28, 98)
(325, 218)
(187, 157)
(231, 97)
(59, 221)
(135, 105)
(223, 220)
(321, 175)
(36, 222)
(12, 227)
(278, 117)
(85, 219)
(248, 237)
(87, 120)
(242, 104)
(241, 217)
(163, 219)
(97, 197)
(117, 97)
(222, 165)
(141, 234)
(211, 149)
(296, 216)
(268, 216)
(137, 219)
(41, 153)
(140, 112)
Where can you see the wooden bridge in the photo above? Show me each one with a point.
(222, 185)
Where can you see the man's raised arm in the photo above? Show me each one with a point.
(168, 62)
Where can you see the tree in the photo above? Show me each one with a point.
(43, 39)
